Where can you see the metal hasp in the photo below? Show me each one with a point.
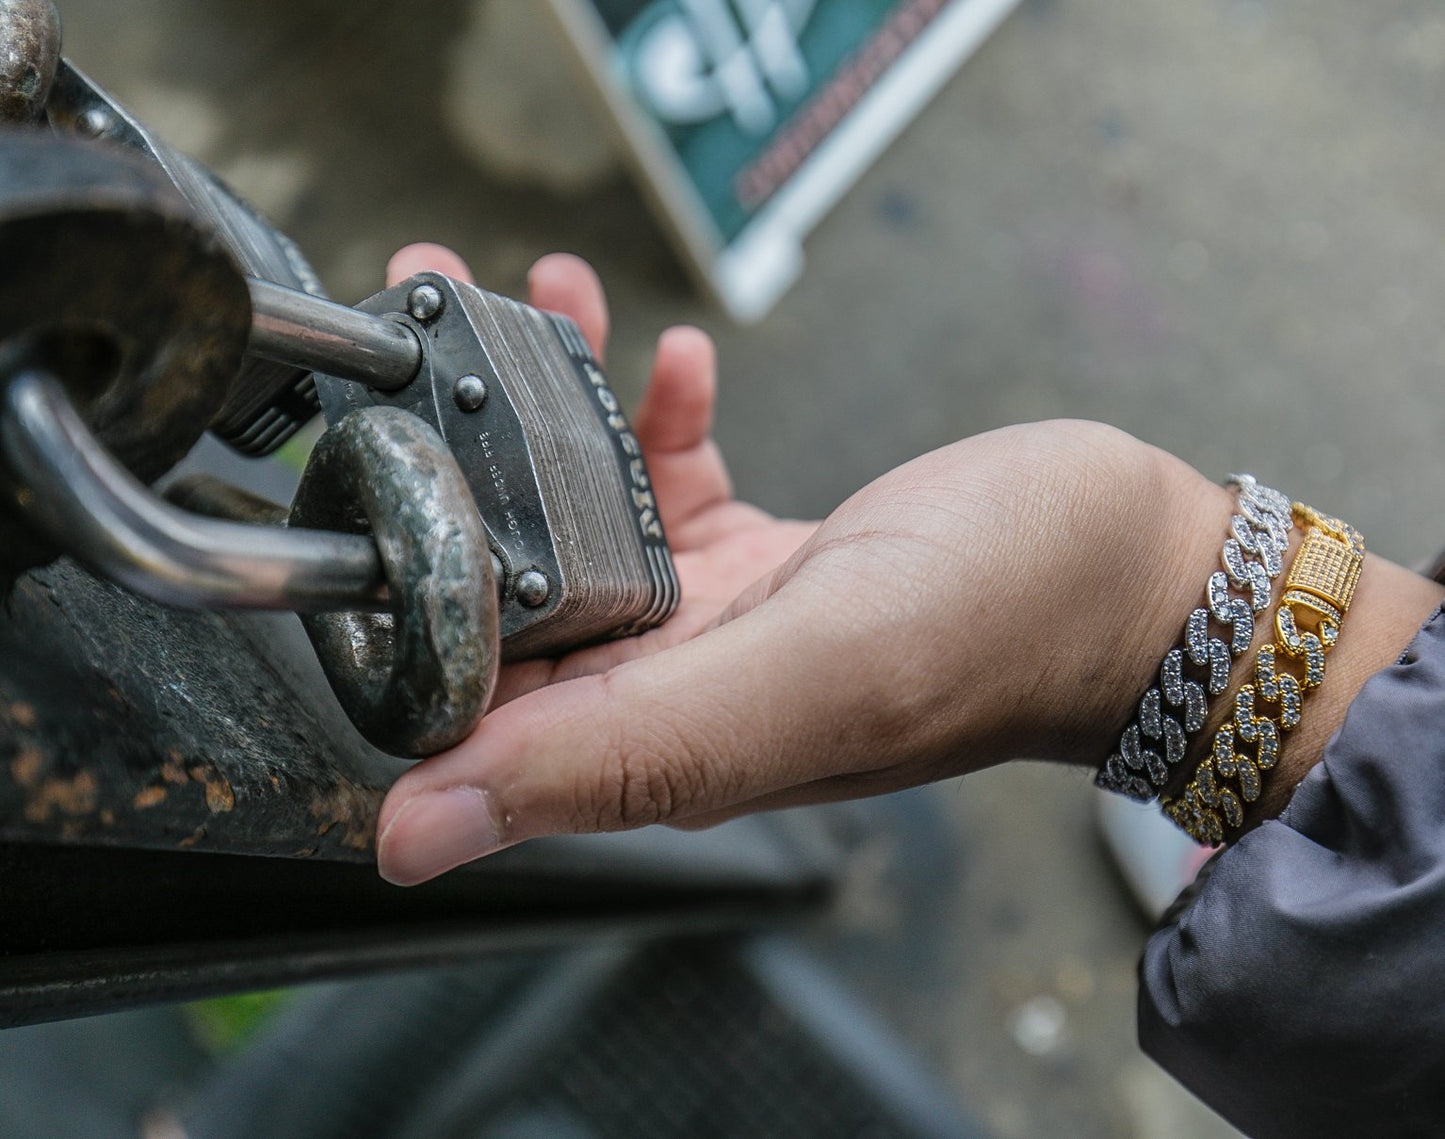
(147, 349)
(416, 679)
(110, 379)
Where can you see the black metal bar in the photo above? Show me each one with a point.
(148, 754)
(91, 930)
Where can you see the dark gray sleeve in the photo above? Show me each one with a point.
(1302, 991)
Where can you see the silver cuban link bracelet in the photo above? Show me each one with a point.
(1174, 710)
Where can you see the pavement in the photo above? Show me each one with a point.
(1215, 225)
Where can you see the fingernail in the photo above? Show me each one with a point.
(433, 832)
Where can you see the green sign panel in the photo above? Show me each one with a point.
(749, 118)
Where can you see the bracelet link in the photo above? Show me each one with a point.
(1318, 591)
(1175, 709)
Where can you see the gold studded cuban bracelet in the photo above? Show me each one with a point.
(1317, 595)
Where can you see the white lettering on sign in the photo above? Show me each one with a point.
(699, 59)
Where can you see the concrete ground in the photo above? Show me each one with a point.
(1216, 225)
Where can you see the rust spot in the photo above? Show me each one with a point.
(275, 783)
(305, 852)
(351, 808)
(107, 817)
(23, 714)
(27, 766)
(74, 797)
(191, 839)
(219, 796)
(148, 797)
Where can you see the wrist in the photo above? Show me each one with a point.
(1166, 582)
(1390, 604)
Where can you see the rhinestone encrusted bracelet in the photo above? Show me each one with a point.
(1317, 595)
(1174, 710)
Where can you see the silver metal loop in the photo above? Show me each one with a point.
(414, 680)
(68, 489)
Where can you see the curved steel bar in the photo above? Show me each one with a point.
(292, 327)
(94, 509)
(414, 681)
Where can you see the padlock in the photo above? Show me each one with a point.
(559, 478)
(510, 395)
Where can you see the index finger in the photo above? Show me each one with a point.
(564, 283)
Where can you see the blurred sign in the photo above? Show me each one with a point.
(750, 118)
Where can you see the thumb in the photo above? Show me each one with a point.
(753, 706)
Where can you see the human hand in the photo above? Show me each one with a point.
(1009, 595)
(839, 669)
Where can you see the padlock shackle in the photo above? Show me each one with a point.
(70, 488)
(292, 327)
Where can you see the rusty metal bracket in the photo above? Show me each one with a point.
(146, 350)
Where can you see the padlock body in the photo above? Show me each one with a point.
(558, 476)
